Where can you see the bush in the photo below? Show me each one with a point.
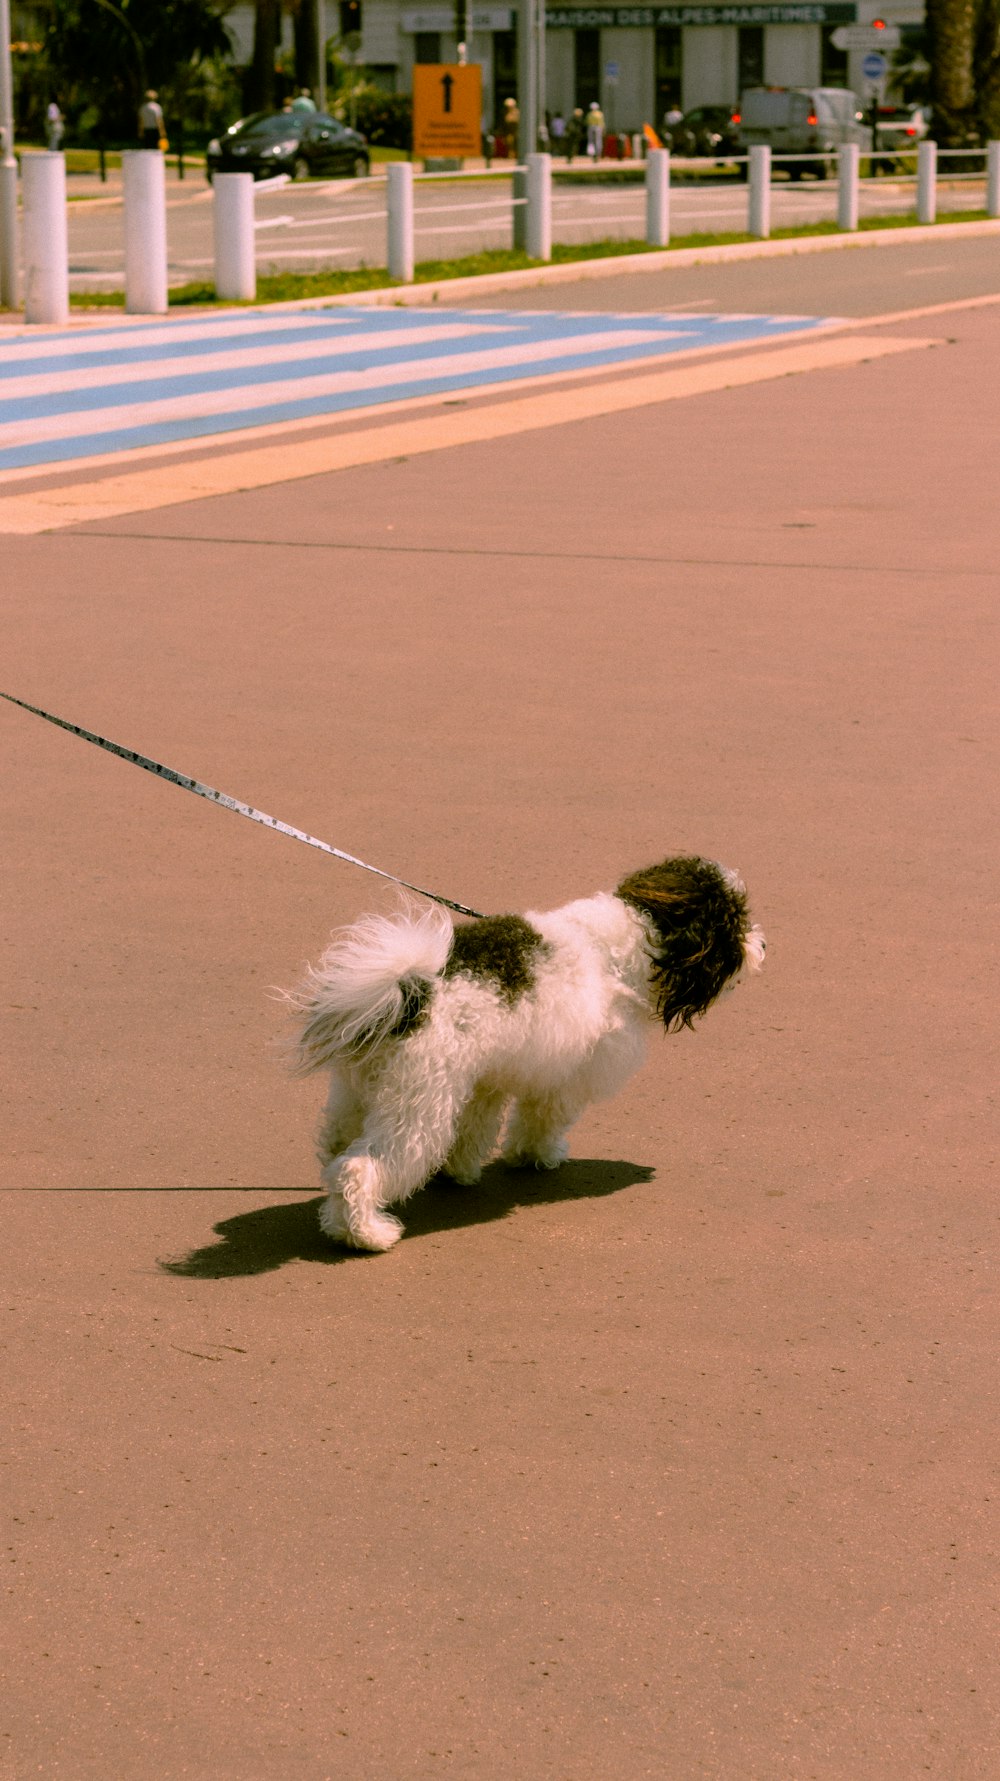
(386, 119)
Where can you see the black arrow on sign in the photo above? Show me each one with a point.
(447, 81)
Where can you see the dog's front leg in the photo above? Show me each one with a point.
(536, 1136)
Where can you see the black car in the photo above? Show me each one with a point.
(707, 130)
(303, 144)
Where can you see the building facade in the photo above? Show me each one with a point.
(637, 61)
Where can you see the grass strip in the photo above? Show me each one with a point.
(290, 287)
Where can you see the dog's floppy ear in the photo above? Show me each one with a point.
(699, 917)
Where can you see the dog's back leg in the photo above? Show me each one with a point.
(406, 1136)
(341, 1121)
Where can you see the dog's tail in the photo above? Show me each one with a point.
(372, 983)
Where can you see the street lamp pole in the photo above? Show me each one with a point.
(527, 77)
(320, 54)
(10, 267)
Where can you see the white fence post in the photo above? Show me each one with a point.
(926, 182)
(539, 230)
(993, 179)
(399, 203)
(144, 192)
(46, 252)
(232, 221)
(759, 203)
(658, 197)
(848, 166)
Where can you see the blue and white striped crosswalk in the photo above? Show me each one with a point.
(105, 390)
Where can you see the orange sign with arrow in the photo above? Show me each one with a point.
(447, 109)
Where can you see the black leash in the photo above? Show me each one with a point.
(227, 803)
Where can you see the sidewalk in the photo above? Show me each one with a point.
(677, 1461)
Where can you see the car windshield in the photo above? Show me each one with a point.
(268, 123)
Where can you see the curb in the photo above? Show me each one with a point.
(569, 272)
(412, 295)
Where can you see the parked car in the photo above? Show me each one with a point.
(303, 144)
(803, 120)
(898, 127)
(707, 130)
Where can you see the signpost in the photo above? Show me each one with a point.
(871, 37)
(10, 258)
(447, 109)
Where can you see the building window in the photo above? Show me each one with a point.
(750, 53)
(669, 70)
(587, 85)
(833, 62)
(427, 46)
(504, 71)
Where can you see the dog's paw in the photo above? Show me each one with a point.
(333, 1218)
(377, 1231)
(373, 1231)
(462, 1177)
(550, 1155)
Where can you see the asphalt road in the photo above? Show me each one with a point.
(680, 1462)
(341, 224)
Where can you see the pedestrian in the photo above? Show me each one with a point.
(151, 131)
(671, 118)
(575, 132)
(54, 126)
(557, 131)
(595, 131)
(303, 100)
(511, 124)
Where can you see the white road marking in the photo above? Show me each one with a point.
(167, 485)
(238, 401)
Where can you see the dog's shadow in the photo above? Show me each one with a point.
(258, 1242)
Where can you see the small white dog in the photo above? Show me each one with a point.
(430, 1030)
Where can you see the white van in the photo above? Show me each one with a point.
(803, 121)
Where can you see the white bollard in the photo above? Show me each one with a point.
(926, 182)
(46, 250)
(538, 240)
(399, 203)
(759, 201)
(235, 252)
(144, 192)
(848, 168)
(658, 197)
(993, 179)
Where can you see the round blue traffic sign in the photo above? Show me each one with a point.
(874, 67)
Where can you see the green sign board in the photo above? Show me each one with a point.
(812, 12)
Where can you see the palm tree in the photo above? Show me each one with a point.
(266, 37)
(988, 70)
(951, 35)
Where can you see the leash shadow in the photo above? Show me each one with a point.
(269, 1238)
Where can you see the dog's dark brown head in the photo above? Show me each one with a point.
(703, 935)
